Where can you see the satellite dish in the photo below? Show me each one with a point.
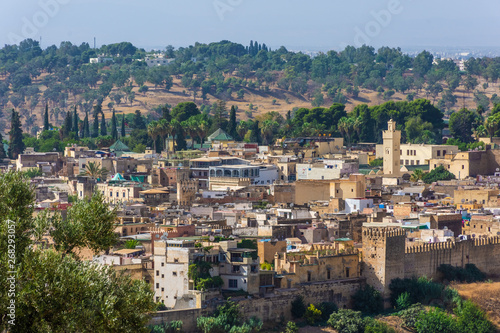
(211, 238)
(165, 236)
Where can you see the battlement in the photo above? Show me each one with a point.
(428, 247)
(450, 245)
(486, 241)
(375, 233)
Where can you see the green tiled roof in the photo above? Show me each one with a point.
(220, 135)
(119, 146)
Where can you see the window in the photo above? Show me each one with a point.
(157, 285)
(124, 194)
(463, 167)
(439, 153)
(162, 289)
(162, 264)
(117, 194)
(176, 260)
(157, 273)
(400, 152)
(236, 269)
(347, 272)
(418, 162)
(444, 152)
(414, 153)
(412, 162)
(328, 274)
(163, 276)
(406, 162)
(308, 276)
(233, 283)
(174, 273)
(110, 193)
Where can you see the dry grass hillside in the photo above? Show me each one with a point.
(255, 101)
(486, 295)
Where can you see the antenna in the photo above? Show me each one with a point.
(94, 43)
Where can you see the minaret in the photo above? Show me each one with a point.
(392, 155)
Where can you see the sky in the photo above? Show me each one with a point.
(296, 24)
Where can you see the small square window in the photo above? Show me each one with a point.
(174, 273)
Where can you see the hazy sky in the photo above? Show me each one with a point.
(296, 24)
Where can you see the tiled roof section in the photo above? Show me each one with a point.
(119, 146)
(220, 135)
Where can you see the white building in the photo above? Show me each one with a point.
(100, 60)
(357, 205)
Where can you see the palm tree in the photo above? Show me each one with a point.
(242, 129)
(346, 127)
(491, 126)
(153, 132)
(94, 171)
(191, 127)
(203, 129)
(417, 175)
(163, 130)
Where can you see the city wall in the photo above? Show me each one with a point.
(425, 259)
(275, 307)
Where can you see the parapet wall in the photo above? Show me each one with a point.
(425, 259)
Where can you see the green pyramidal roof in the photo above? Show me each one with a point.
(220, 135)
(119, 146)
(118, 178)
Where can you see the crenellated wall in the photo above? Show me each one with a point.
(425, 259)
(385, 256)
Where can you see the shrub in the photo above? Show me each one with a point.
(327, 308)
(421, 290)
(378, 162)
(403, 301)
(470, 318)
(291, 327)
(298, 307)
(312, 314)
(436, 321)
(347, 321)
(376, 326)
(367, 300)
(410, 315)
(468, 274)
(439, 173)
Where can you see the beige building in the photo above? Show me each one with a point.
(118, 193)
(298, 268)
(419, 154)
(326, 190)
(486, 197)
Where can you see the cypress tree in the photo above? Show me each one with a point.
(46, 124)
(86, 126)
(68, 123)
(95, 125)
(231, 127)
(123, 125)
(76, 120)
(16, 144)
(2, 150)
(114, 130)
(256, 137)
(104, 131)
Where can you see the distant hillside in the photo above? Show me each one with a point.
(254, 78)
